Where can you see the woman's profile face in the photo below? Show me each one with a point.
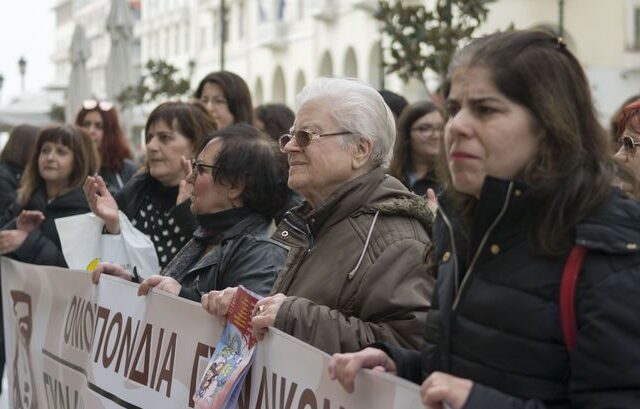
(628, 146)
(166, 147)
(55, 163)
(208, 195)
(486, 134)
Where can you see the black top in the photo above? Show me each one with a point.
(152, 209)
(9, 179)
(42, 246)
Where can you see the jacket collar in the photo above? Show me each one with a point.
(348, 198)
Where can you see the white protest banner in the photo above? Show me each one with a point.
(287, 373)
(71, 344)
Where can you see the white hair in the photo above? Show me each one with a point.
(358, 108)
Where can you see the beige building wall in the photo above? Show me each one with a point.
(278, 50)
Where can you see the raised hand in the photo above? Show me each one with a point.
(185, 188)
(101, 203)
(29, 220)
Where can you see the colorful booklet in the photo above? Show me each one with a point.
(222, 380)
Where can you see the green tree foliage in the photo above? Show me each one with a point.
(424, 39)
(158, 82)
(56, 113)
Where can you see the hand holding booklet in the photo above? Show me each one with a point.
(223, 377)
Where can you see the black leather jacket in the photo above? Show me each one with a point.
(246, 255)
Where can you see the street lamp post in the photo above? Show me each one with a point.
(223, 32)
(560, 18)
(192, 67)
(22, 66)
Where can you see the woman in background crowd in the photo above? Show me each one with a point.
(237, 186)
(100, 120)
(614, 124)
(356, 271)
(628, 142)
(157, 200)
(417, 145)
(51, 187)
(227, 98)
(529, 174)
(276, 120)
(13, 160)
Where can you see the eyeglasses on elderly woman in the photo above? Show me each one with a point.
(198, 167)
(90, 104)
(304, 137)
(628, 143)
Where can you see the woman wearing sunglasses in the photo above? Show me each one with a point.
(530, 206)
(51, 187)
(417, 145)
(157, 199)
(628, 143)
(237, 185)
(100, 120)
(356, 270)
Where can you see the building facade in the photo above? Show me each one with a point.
(280, 45)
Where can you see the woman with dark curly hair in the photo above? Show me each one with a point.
(157, 199)
(100, 120)
(238, 185)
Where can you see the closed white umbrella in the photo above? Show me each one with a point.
(79, 88)
(120, 27)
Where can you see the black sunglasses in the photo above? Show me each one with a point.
(628, 143)
(304, 137)
(198, 167)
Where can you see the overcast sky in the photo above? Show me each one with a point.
(26, 29)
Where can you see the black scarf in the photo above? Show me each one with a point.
(211, 228)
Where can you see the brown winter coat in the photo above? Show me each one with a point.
(344, 290)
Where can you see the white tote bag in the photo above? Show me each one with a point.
(84, 245)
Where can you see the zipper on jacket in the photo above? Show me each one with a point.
(465, 280)
(456, 274)
(305, 234)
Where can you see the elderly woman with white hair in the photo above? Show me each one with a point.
(357, 265)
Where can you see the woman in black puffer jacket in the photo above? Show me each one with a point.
(529, 175)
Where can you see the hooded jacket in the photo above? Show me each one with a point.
(356, 270)
(496, 319)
